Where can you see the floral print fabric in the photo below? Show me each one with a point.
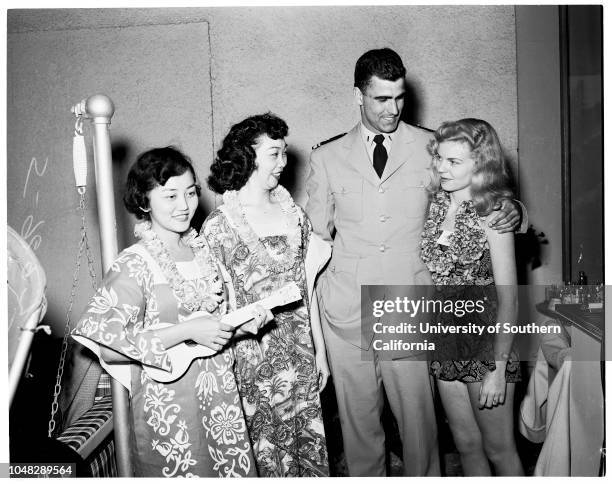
(462, 270)
(466, 259)
(191, 427)
(276, 371)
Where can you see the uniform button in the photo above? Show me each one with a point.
(382, 248)
(381, 190)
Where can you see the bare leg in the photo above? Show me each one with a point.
(463, 425)
(496, 428)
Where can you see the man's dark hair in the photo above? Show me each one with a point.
(383, 63)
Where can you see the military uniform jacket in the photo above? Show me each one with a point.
(374, 224)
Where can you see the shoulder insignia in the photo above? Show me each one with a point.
(328, 141)
(424, 128)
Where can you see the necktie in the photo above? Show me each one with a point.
(380, 155)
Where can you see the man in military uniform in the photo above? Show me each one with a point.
(367, 198)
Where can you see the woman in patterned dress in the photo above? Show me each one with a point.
(193, 426)
(263, 239)
(474, 262)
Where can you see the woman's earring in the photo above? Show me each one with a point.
(145, 210)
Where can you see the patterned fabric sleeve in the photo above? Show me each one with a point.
(217, 234)
(115, 314)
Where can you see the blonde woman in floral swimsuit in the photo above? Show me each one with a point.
(193, 426)
(264, 240)
(474, 261)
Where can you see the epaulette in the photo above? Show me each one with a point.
(424, 128)
(318, 145)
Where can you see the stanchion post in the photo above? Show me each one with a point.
(101, 109)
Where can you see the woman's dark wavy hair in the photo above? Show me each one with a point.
(235, 160)
(491, 179)
(152, 168)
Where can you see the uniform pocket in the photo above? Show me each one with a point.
(412, 179)
(341, 292)
(412, 195)
(348, 199)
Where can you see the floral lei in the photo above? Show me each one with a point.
(193, 298)
(459, 263)
(235, 212)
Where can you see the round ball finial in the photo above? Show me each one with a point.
(100, 106)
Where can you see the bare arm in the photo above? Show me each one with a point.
(319, 344)
(207, 330)
(501, 245)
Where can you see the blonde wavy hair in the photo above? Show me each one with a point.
(491, 179)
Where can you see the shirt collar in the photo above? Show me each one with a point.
(368, 135)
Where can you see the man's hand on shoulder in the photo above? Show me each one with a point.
(507, 218)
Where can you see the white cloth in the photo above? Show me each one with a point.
(563, 408)
(554, 459)
(554, 349)
(317, 255)
(532, 420)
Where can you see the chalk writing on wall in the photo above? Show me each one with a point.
(30, 227)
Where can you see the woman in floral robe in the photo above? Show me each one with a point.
(193, 426)
(261, 238)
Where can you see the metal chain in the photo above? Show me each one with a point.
(83, 246)
(90, 259)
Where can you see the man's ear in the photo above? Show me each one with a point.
(358, 95)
